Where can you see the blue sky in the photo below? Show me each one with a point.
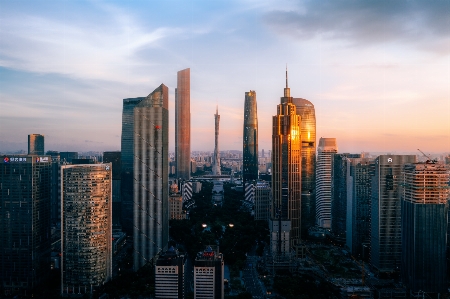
(378, 72)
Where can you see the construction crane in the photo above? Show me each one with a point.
(429, 160)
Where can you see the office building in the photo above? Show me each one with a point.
(263, 200)
(424, 210)
(25, 240)
(176, 204)
(306, 110)
(169, 275)
(208, 274)
(250, 136)
(68, 157)
(36, 144)
(55, 189)
(286, 166)
(327, 147)
(116, 163)
(216, 157)
(127, 160)
(359, 196)
(385, 233)
(340, 175)
(151, 176)
(183, 125)
(86, 227)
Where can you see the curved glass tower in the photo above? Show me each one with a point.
(183, 124)
(308, 131)
(250, 150)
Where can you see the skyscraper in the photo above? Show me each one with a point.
(327, 147)
(183, 125)
(424, 195)
(25, 240)
(208, 274)
(216, 158)
(385, 233)
(35, 144)
(127, 160)
(169, 275)
(306, 110)
(250, 150)
(286, 165)
(86, 227)
(151, 176)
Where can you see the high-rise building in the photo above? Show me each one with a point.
(385, 233)
(208, 274)
(183, 125)
(151, 176)
(176, 204)
(127, 160)
(216, 158)
(36, 144)
(68, 157)
(86, 227)
(116, 163)
(250, 150)
(424, 195)
(25, 240)
(327, 147)
(286, 165)
(307, 113)
(340, 175)
(169, 275)
(263, 200)
(359, 196)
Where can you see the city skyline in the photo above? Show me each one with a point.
(370, 87)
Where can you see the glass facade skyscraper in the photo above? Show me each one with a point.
(307, 113)
(151, 173)
(25, 242)
(35, 144)
(183, 125)
(424, 199)
(250, 135)
(127, 160)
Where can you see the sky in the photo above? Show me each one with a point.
(377, 72)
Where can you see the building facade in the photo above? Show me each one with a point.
(25, 221)
(424, 209)
(216, 157)
(385, 233)
(127, 160)
(183, 124)
(209, 274)
(250, 136)
(263, 200)
(286, 166)
(86, 227)
(176, 204)
(169, 275)
(307, 113)
(36, 144)
(327, 147)
(151, 173)
(116, 163)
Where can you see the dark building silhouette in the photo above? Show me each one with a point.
(183, 125)
(250, 136)
(25, 240)
(115, 159)
(68, 156)
(424, 195)
(36, 144)
(307, 113)
(127, 157)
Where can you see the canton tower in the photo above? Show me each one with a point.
(216, 162)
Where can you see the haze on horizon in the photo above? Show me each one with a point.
(378, 72)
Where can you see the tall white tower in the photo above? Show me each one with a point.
(216, 162)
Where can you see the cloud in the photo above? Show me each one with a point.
(424, 24)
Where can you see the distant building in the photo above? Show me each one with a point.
(183, 125)
(151, 176)
(250, 137)
(115, 159)
(327, 147)
(424, 194)
(36, 144)
(216, 160)
(127, 160)
(176, 204)
(209, 274)
(169, 275)
(67, 157)
(86, 231)
(385, 243)
(263, 200)
(25, 241)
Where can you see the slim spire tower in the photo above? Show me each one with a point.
(216, 165)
